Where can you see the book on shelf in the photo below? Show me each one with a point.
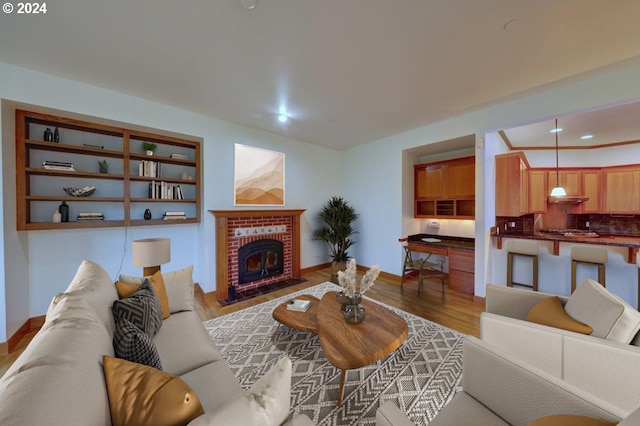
(174, 216)
(148, 168)
(89, 218)
(165, 191)
(179, 156)
(90, 214)
(298, 305)
(57, 165)
(174, 213)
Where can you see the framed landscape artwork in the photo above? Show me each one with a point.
(259, 177)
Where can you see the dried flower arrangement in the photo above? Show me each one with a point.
(347, 279)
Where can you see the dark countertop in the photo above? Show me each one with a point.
(603, 240)
(458, 243)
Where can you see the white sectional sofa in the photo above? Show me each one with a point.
(59, 378)
(501, 390)
(604, 367)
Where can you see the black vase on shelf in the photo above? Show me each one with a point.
(56, 135)
(48, 135)
(64, 212)
(147, 214)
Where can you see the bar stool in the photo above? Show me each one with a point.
(524, 248)
(589, 255)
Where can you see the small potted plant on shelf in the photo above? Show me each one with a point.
(338, 217)
(103, 166)
(149, 147)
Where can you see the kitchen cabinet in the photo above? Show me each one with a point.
(570, 180)
(590, 189)
(134, 182)
(461, 270)
(512, 185)
(538, 191)
(445, 189)
(621, 190)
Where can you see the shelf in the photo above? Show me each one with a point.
(163, 179)
(161, 200)
(117, 191)
(72, 149)
(40, 226)
(76, 174)
(74, 199)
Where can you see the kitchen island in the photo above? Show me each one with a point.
(459, 250)
(632, 243)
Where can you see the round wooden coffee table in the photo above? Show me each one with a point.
(303, 321)
(349, 346)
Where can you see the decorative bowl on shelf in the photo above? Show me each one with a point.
(80, 192)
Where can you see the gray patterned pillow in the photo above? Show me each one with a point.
(142, 308)
(133, 344)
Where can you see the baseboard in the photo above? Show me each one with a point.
(315, 268)
(31, 324)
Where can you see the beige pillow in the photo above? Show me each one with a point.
(142, 395)
(179, 287)
(570, 420)
(126, 290)
(610, 317)
(550, 312)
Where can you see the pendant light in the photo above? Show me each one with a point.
(558, 191)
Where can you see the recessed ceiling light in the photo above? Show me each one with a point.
(586, 136)
(283, 118)
(556, 130)
(249, 4)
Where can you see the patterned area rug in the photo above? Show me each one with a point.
(420, 383)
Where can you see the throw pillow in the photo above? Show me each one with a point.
(610, 317)
(142, 309)
(570, 420)
(133, 344)
(126, 290)
(141, 395)
(179, 286)
(550, 312)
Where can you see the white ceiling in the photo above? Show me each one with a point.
(346, 71)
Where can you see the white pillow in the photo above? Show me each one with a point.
(179, 285)
(610, 317)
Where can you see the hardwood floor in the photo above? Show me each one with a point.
(453, 309)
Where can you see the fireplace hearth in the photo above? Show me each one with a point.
(260, 259)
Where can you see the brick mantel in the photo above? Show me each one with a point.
(222, 241)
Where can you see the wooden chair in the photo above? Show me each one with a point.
(588, 255)
(527, 249)
(424, 267)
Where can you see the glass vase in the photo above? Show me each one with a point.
(343, 300)
(354, 312)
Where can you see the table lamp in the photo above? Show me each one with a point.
(150, 253)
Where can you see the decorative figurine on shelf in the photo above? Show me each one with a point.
(56, 217)
(48, 135)
(64, 212)
(147, 214)
(149, 147)
(103, 166)
(56, 135)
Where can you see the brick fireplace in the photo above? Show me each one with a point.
(240, 228)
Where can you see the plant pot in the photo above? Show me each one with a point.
(335, 268)
(103, 170)
(149, 152)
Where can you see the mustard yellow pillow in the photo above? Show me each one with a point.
(126, 290)
(570, 420)
(550, 312)
(142, 395)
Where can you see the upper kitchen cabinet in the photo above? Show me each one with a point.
(591, 189)
(445, 189)
(512, 184)
(570, 180)
(538, 191)
(621, 190)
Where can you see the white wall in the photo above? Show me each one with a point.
(375, 172)
(38, 264)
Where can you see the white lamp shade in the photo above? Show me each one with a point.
(558, 191)
(151, 252)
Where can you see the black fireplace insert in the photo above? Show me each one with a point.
(260, 259)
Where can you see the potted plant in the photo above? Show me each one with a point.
(338, 217)
(149, 147)
(103, 166)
